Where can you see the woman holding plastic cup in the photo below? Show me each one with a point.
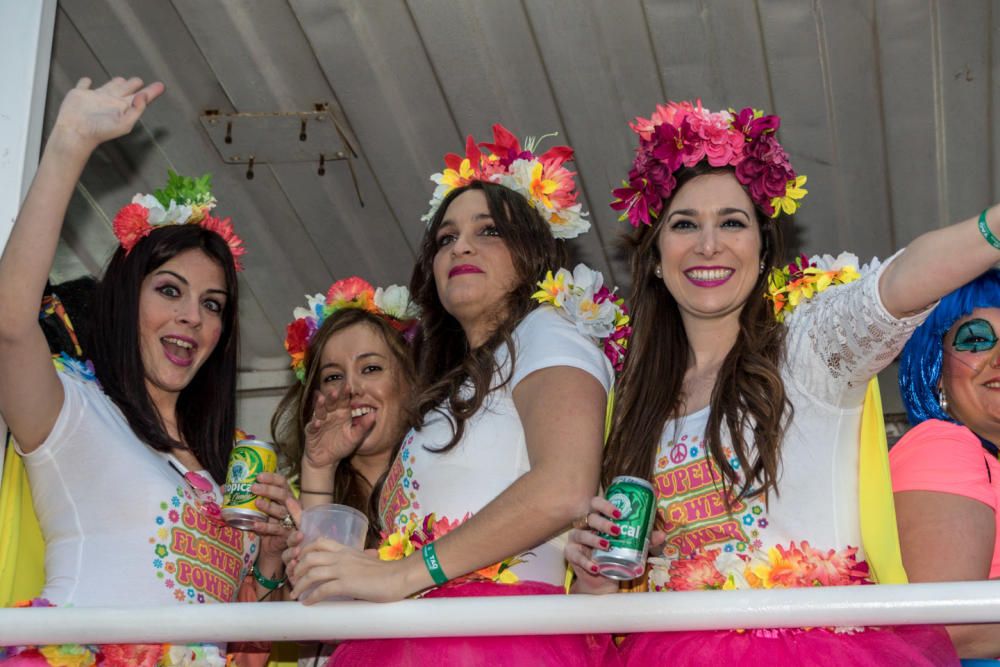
(512, 398)
(343, 421)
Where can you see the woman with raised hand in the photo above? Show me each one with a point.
(945, 472)
(744, 411)
(344, 420)
(124, 456)
(511, 406)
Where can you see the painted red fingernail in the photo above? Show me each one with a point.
(617, 514)
(593, 568)
(605, 544)
(616, 530)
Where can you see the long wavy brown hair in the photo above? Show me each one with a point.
(748, 397)
(444, 362)
(295, 409)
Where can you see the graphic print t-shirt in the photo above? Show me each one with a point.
(122, 526)
(492, 453)
(835, 343)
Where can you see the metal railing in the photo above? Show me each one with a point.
(965, 602)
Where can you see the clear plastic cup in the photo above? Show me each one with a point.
(337, 522)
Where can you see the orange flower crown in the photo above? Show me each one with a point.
(183, 201)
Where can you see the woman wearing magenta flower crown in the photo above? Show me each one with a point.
(511, 404)
(124, 456)
(744, 412)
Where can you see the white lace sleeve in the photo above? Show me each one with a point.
(842, 337)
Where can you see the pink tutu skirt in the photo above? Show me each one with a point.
(563, 650)
(914, 646)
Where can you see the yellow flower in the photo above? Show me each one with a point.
(541, 188)
(68, 655)
(793, 192)
(552, 289)
(395, 547)
(463, 175)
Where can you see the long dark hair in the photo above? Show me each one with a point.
(295, 409)
(749, 394)
(445, 361)
(206, 408)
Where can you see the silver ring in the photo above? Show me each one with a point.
(288, 522)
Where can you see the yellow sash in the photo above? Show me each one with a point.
(22, 550)
(878, 513)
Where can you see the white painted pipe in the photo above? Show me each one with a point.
(966, 602)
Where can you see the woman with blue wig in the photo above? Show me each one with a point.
(945, 471)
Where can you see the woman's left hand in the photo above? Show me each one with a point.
(337, 570)
(274, 498)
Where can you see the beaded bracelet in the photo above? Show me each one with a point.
(269, 584)
(984, 229)
(433, 564)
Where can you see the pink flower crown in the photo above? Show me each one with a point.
(682, 134)
(541, 179)
(183, 201)
(393, 304)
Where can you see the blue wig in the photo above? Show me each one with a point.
(920, 363)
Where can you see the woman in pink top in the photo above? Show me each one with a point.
(945, 471)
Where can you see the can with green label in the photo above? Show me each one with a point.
(246, 461)
(625, 557)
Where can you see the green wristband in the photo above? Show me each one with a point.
(433, 564)
(269, 584)
(984, 229)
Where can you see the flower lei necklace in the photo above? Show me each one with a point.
(598, 312)
(184, 201)
(806, 277)
(682, 134)
(393, 304)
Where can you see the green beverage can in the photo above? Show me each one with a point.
(246, 461)
(625, 557)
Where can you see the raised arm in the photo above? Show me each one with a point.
(939, 262)
(562, 412)
(30, 392)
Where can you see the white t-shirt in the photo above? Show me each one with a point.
(836, 342)
(492, 453)
(122, 527)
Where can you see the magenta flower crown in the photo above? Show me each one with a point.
(682, 134)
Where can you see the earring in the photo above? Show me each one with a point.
(763, 266)
(657, 271)
(942, 400)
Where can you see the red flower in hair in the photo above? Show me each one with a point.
(224, 228)
(297, 336)
(131, 225)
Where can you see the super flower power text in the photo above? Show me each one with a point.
(682, 134)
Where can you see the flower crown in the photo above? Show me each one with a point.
(184, 201)
(393, 304)
(598, 312)
(541, 179)
(682, 134)
(805, 277)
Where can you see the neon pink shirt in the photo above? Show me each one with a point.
(941, 456)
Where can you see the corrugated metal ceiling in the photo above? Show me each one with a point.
(888, 107)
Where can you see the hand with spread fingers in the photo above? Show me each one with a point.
(331, 434)
(96, 115)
